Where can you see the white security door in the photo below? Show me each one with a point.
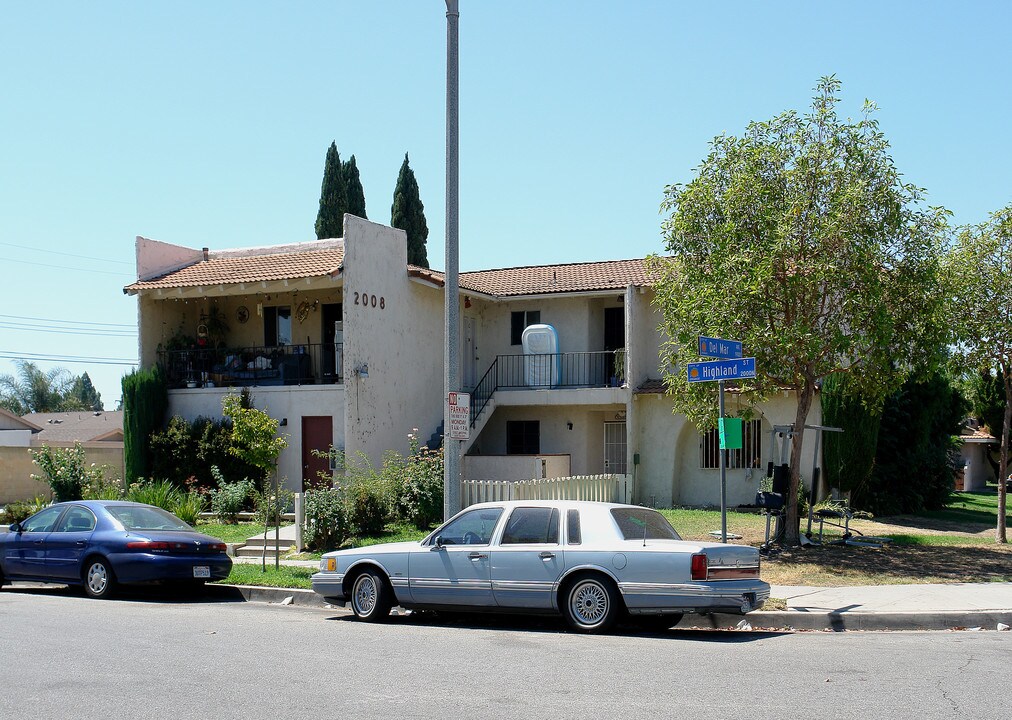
(614, 448)
(469, 353)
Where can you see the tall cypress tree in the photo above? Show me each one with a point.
(408, 214)
(333, 197)
(353, 188)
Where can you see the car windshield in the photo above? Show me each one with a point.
(134, 517)
(643, 524)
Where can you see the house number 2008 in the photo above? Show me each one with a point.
(367, 300)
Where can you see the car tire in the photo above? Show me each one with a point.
(656, 623)
(371, 596)
(99, 581)
(591, 604)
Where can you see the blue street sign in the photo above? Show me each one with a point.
(719, 348)
(737, 369)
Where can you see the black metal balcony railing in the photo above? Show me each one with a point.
(539, 372)
(306, 364)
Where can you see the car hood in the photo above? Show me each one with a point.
(381, 549)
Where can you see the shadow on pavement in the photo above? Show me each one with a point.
(137, 594)
(556, 625)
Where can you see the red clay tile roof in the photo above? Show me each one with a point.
(545, 279)
(248, 268)
(977, 435)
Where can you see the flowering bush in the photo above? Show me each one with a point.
(65, 471)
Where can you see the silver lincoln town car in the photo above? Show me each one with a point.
(593, 562)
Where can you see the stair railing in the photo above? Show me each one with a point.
(484, 390)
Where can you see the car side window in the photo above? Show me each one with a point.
(538, 525)
(471, 528)
(573, 527)
(77, 519)
(42, 521)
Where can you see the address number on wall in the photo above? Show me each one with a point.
(370, 301)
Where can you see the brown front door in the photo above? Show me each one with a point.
(317, 434)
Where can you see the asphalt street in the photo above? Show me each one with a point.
(151, 657)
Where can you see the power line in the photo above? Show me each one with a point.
(38, 357)
(73, 322)
(57, 252)
(65, 267)
(68, 331)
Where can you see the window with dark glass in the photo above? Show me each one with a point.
(519, 321)
(532, 526)
(643, 523)
(523, 437)
(573, 527)
(277, 326)
(76, 519)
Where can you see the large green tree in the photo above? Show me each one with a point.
(84, 392)
(800, 239)
(333, 197)
(32, 390)
(408, 214)
(979, 274)
(353, 188)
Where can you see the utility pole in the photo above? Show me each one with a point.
(451, 447)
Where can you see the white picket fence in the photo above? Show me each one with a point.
(602, 488)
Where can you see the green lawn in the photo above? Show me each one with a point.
(969, 508)
(230, 533)
(283, 577)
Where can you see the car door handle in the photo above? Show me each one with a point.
(81, 543)
(546, 555)
(38, 542)
(477, 556)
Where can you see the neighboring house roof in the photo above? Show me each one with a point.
(10, 421)
(977, 435)
(236, 269)
(546, 279)
(84, 426)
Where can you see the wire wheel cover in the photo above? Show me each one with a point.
(588, 603)
(365, 594)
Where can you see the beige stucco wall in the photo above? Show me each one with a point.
(668, 446)
(399, 339)
(16, 468)
(515, 467)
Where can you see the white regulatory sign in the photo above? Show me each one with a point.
(459, 411)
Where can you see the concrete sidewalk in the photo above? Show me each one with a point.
(877, 607)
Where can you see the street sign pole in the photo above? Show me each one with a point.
(723, 470)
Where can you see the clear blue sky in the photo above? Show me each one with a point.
(206, 124)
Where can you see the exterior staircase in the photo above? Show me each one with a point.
(254, 546)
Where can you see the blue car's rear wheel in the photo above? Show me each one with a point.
(99, 580)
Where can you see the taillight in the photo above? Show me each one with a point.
(146, 545)
(699, 567)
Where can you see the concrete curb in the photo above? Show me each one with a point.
(778, 620)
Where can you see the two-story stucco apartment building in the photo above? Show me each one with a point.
(343, 341)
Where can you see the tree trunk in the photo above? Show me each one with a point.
(1000, 534)
(792, 535)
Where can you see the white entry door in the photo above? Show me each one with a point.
(614, 448)
(469, 353)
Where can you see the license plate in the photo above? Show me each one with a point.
(201, 571)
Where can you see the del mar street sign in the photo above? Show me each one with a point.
(738, 369)
(720, 348)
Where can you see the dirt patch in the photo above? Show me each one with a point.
(844, 565)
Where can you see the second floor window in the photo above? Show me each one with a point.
(519, 321)
(277, 326)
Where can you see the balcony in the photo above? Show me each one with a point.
(256, 366)
(550, 371)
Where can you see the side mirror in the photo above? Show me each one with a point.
(15, 527)
(437, 544)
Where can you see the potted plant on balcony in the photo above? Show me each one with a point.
(618, 368)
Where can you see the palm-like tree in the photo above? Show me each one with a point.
(34, 390)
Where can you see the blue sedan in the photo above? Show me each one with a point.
(102, 543)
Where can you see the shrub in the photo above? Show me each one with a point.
(185, 451)
(228, 499)
(98, 487)
(326, 519)
(65, 470)
(145, 398)
(15, 512)
(368, 507)
(160, 493)
(267, 508)
(420, 490)
(190, 506)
